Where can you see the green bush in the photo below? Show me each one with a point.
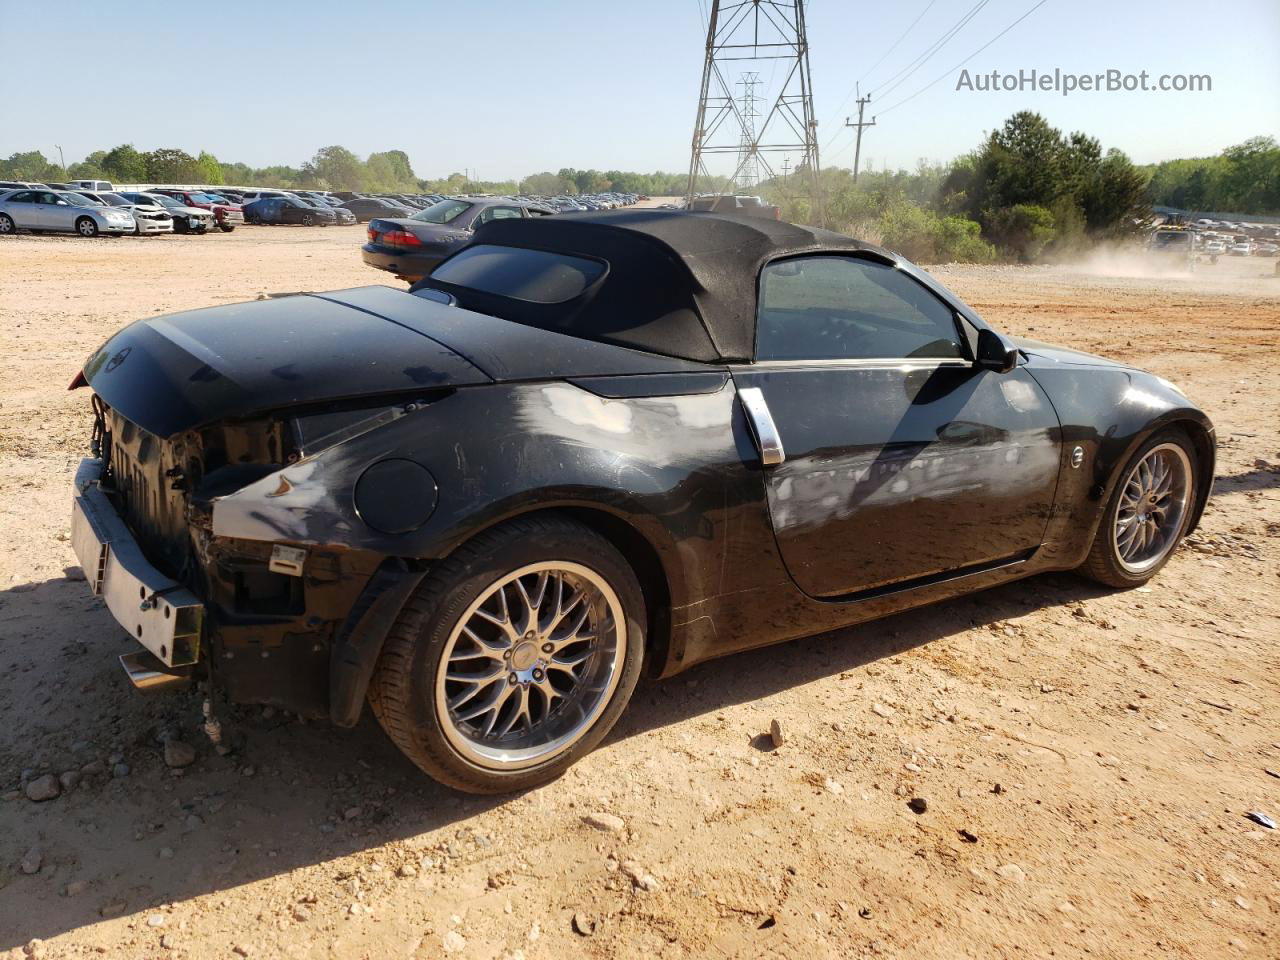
(920, 234)
(1023, 230)
(960, 240)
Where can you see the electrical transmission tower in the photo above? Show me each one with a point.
(757, 30)
(748, 173)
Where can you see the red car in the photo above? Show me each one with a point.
(226, 214)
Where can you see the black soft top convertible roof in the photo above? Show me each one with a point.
(681, 284)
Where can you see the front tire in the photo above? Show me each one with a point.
(225, 229)
(86, 227)
(514, 658)
(1147, 514)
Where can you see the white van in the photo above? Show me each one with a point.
(96, 186)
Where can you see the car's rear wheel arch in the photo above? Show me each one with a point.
(645, 561)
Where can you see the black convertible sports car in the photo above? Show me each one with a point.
(587, 447)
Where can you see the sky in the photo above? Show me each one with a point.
(510, 87)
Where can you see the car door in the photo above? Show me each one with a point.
(24, 210)
(899, 459)
(55, 213)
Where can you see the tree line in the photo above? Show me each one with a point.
(333, 168)
(1027, 192)
(1244, 178)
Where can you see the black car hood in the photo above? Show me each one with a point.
(1053, 354)
(185, 370)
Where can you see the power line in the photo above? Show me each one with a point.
(894, 46)
(871, 69)
(900, 77)
(943, 76)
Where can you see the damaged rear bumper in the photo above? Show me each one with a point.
(157, 611)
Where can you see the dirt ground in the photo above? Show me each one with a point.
(1087, 756)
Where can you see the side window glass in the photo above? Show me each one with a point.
(849, 308)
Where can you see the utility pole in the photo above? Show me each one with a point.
(857, 150)
(786, 163)
(62, 162)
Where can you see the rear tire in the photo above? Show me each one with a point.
(1147, 514)
(7, 227)
(556, 674)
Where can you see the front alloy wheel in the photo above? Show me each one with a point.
(1147, 514)
(514, 657)
(86, 227)
(1153, 505)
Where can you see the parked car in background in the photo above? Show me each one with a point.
(149, 217)
(410, 247)
(285, 210)
(1266, 249)
(95, 186)
(248, 196)
(226, 215)
(48, 210)
(367, 208)
(185, 219)
(745, 206)
(1241, 247)
(341, 215)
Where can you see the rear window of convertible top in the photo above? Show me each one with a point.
(535, 276)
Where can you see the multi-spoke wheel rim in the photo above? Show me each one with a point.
(530, 665)
(6, 225)
(1153, 503)
(87, 228)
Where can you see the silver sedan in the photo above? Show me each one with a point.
(41, 210)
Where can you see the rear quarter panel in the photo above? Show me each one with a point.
(680, 470)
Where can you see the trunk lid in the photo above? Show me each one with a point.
(185, 370)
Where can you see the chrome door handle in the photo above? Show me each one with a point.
(762, 426)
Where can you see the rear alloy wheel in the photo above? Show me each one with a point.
(514, 658)
(1147, 515)
(7, 227)
(86, 227)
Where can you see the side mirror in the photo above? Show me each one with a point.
(995, 352)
